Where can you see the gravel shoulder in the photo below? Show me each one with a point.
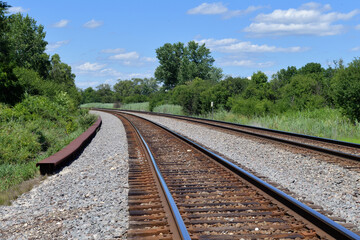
(333, 187)
(86, 200)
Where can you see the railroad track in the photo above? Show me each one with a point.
(342, 153)
(209, 197)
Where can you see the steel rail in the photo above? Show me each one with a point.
(320, 139)
(281, 140)
(324, 223)
(174, 209)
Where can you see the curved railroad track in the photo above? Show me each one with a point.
(342, 153)
(215, 198)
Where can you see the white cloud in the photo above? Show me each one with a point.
(90, 67)
(53, 46)
(93, 24)
(208, 8)
(231, 45)
(62, 23)
(148, 59)
(250, 9)
(115, 50)
(130, 58)
(357, 27)
(219, 9)
(247, 63)
(355, 49)
(126, 56)
(308, 19)
(13, 10)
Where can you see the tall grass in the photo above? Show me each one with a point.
(325, 122)
(143, 106)
(97, 105)
(169, 108)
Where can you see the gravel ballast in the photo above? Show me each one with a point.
(85, 200)
(333, 187)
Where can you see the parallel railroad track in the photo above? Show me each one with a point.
(215, 198)
(342, 153)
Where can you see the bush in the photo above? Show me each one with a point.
(18, 144)
(346, 87)
(251, 107)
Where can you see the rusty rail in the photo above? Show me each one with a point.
(56, 161)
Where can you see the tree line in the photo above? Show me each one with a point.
(186, 76)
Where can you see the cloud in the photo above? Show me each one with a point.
(208, 9)
(129, 58)
(115, 50)
(126, 56)
(357, 27)
(148, 59)
(90, 67)
(231, 45)
(355, 49)
(13, 10)
(62, 23)
(247, 63)
(53, 46)
(219, 9)
(308, 19)
(93, 24)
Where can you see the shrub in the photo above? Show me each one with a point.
(347, 89)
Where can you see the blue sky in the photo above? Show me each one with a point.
(104, 41)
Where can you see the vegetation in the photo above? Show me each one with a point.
(39, 101)
(187, 78)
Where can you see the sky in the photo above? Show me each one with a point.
(107, 41)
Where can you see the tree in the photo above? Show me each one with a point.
(89, 96)
(27, 45)
(346, 85)
(282, 77)
(104, 93)
(311, 68)
(170, 57)
(10, 90)
(136, 86)
(180, 64)
(196, 62)
(4, 27)
(189, 95)
(60, 72)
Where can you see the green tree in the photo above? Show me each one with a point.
(346, 85)
(170, 57)
(311, 68)
(60, 73)
(104, 93)
(196, 62)
(302, 93)
(180, 64)
(189, 95)
(89, 96)
(27, 45)
(10, 90)
(282, 77)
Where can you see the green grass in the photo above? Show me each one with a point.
(143, 106)
(326, 122)
(97, 105)
(169, 108)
